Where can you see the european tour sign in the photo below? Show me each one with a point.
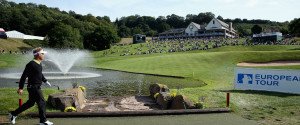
(287, 81)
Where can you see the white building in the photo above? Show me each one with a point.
(215, 28)
(192, 29)
(18, 35)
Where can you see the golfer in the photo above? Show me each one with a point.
(33, 71)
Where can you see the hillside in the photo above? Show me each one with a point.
(13, 45)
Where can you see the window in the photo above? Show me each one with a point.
(213, 22)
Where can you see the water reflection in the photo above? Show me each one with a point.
(112, 83)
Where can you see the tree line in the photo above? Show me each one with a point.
(71, 30)
(62, 29)
(127, 26)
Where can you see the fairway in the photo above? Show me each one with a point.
(215, 67)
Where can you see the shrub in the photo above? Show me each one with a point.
(199, 105)
(36, 43)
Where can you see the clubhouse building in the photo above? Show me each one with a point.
(267, 37)
(215, 28)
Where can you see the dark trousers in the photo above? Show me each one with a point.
(35, 96)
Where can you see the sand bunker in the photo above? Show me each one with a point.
(274, 63)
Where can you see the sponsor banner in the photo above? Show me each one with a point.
(267, 79)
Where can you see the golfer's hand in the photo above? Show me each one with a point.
(20, 91)
(48, 83)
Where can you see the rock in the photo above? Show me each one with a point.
(164, 100)
(111, 107)
(61, 101)
(132, 104)
(181, 102)
(70, 98)
(79, 97)
(157, 88)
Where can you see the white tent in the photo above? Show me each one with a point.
(33, 37)
(15, 34)
(19, 35)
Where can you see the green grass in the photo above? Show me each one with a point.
(13, 45)
(257, 48)
(8, 60)
(12, 60)
(210, 67)
(216, 68)
(9, 100)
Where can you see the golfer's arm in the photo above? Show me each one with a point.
(43, 78)
(23, 77)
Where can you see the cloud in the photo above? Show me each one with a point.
(228, 1)
(251, 3)
(113, 3)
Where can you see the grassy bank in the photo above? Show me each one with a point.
(9, 99)
(13, 45)
(9, 60)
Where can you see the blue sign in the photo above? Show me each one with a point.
(268, 79)
(245, 78)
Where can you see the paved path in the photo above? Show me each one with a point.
(195, 119)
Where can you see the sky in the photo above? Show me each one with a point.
(274, 10)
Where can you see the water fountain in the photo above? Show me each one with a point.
(58, 63)
(64, 67)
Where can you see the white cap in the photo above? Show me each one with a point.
(41, 51)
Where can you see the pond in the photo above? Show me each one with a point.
(106, 82)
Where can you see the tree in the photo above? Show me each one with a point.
(18, 21)
(5, 16)
(175, 21)
(220, 18)
(237, 20)
(204, 18)
(256, 29)
(137, 30)
(294, 27)
(284, 31)
(190, 18)
(243, 31)
(64, 36)
(150, 21)
(124, 31)
(102, 38)
(106, 18)
(163, 27)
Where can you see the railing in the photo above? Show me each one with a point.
(197, 35)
